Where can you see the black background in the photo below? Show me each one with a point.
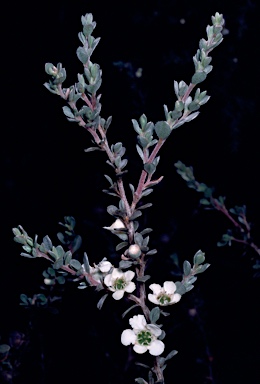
(46, 175)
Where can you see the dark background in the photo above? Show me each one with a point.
(46, 175)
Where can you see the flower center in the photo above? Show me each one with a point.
(144, 338)
(164, 299)
(119, 283)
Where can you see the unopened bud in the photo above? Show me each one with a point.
(134, 251)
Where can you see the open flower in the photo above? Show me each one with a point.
(143, 336)
(164, 295)
(120, 282)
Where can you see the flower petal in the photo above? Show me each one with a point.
(169, 287)
(128, 337)
(129, 275)
(108, 280)
(153, 298)
(156, 331)
(105, 266)
(138, 322)
(156, 347)
(140, 348)
(156, 288)
(176, 297)
(117, 295)
(130, 287)
(117, 273)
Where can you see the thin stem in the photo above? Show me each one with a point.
(158, 370)
(142, 180)
(188, 92)
(223, 209)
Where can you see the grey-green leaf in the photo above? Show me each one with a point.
(75, 264)
(162, 129)
(154, 314)
(186, 267)
(101, 301)
(198, 77)
(67, 112)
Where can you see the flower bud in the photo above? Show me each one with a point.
(134, 251)
(117, 225)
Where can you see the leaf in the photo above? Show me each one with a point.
(190, 117)
(138, 238)
(142, 365)
(121, 245)
(47, 243)
(27, 255)
(148, 205)
(60, 251)
(189, 287)
(162, 129)
(23, 298)
(140, 152)
(186, 268)
(109, 180)
(82, 55)
(154, 314)
(124, 264)
(112, 209)
(91, 149)
(129, 309)
(202, 268)
(86, 262)
(61, 280)
(151, 252)
(171, 354)
(199, 257)
(67, 112)
(147, 192)
(67, 257)
(136, 214)
(75, 264)
(146, 230)
(76, 244)
(132, 189)
(143, 279)
(180, 288)
(51, 272)
(136, 126)
(139, 380)
(101, 301)
(4, 348)
(58, 263)
(198, 77)
(149, 168)
(61, 237)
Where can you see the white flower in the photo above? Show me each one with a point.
(120, 282)
(164, 295)
(143, 336)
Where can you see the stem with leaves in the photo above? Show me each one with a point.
(84, 108)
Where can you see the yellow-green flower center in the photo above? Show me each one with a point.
(164, 299)
(119, 283)
(144, 338)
